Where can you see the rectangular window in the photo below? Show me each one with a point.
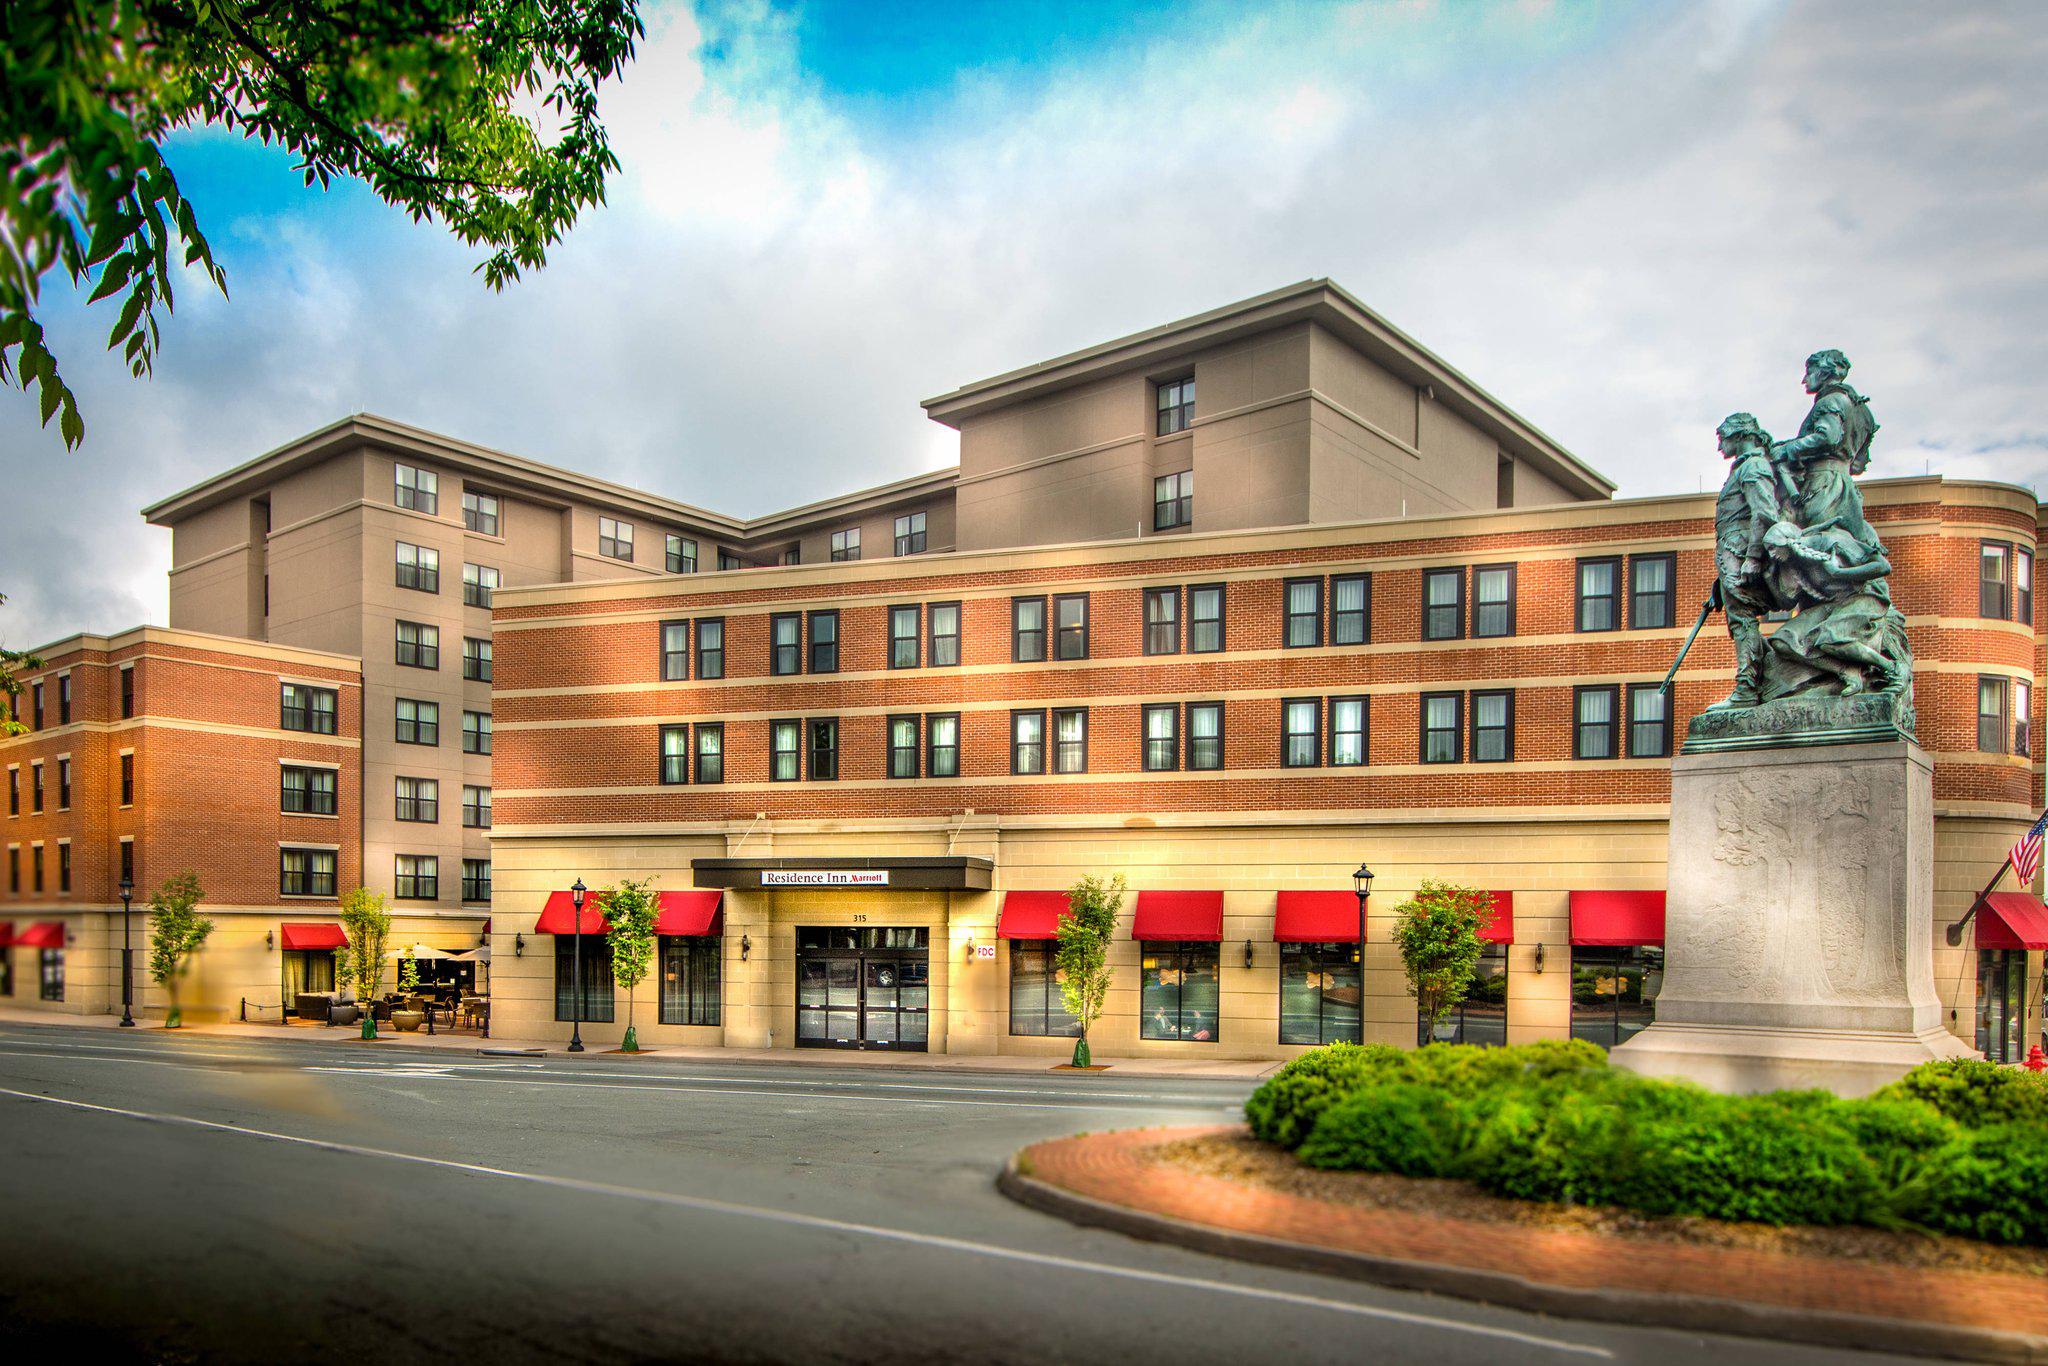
(1178, 996)
(1649, 721)
(1994, 579)
(1443, 604)
(1205, 735)
(1650, 591)
(1300, 732)
(50, 974)
(127, 692)
(679, 554)
(35, 862)
(63, 865)
(419, 568)
(675, 651)
(1319, 993)
(1481, 1019)
(710, 752)
(1599, 595)
(1304, 612)
(476, 732)
(728, 560)
(1162, 738)
(63, 699)
(2022, 716)
(306, 709)
(903, 636)
(14, 791)
(943, 628)
(1037, 1009)
(1162, 621)
(592, 958)
(419, 645)
(675, 754)
(1070, 740)
(305, 872)
(1173, 500)
(825, 642)
(63, 784)
(846, 544)
(1350, 609)
(614, 538)
(689, 979)
(305, 791)
(1205, 619)
(824, 748)
(1493, 600)
(127, 860)
(1347, 732)
(910, 534)
(476, 807)
(476, 879)
(14, 871)
(1614, 992)
(36, 720)
(942, 745)
(35, 788)
(711, 647)
(418, 489)
(1991, 713)
(786, 643)
(1027, 630)
(1593, 722)
(479, 582)
(2023, 585)
(785, 751)
(416, 877)
(1070, 626)
(476, 659)
(128, 780)
(1176, 405)
(1442, 727)
(1493, 726)
(902, 746)
(418, 799)
(480, 512)
(1027, 742)
(419, 723)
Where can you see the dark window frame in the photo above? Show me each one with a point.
(699, 962)
(474, 516)
(2000, 723)
(932, 636)
(424, 655)
(673, 558)
(1456, 730)
(844, 545)
(1663, 749)
(423, 577)
(673, 769)
(476, 806)
(310, 879)
(1062, 632)
(932, 746)
(795, 729)
(1669, 594)
(1183, 952)
(1314, 748)
(709, 668)
(909, 529)
(1612, 724)
(1043, 954)
(1146, 626)
(1173, 405)
(1288, 615)
(1363, 612)
(424, 810)
(715, 732)
(309, 793)
(609, 545)
(891, 750)
(776, 647)
(2022, 585)
(476, 658)
(813, 662)
(307, 713)
(1473, 728)
(2001, 610)
(1177, 508)
(1146, 741)
(476, 739)
(1223, 617)
(915, 638)
(1509, 603)
(1189, 738)
(1326, 960)
(424, 732)
(1455, 608)
(1058, 746)
(1017, 768)
(1616, 599)
(1330, 759)
(674, 665)
(476, 881)
(821, 761)
(1018, 632)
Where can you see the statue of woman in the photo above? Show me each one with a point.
(1845, 635)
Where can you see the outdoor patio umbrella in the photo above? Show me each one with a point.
(424, 951)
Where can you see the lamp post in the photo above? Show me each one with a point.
(1361, 882)
(127, 958)
(577, 891)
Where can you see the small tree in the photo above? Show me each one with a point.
(1082, 959)
(1437, 931)
(629, 912)
(368, 926)
(408, 974)
(176, 930)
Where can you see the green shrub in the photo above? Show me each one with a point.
(1975, 1093)
(1897, 1135)
(1287, 1105)
(1573, 1138)
(1990, 1184)
(1760, 1159)
(1406, 1127)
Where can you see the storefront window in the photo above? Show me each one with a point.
(597, 978)
(2001, 1005)
(689, 978)
(1614, 992)
(52, 971)
(307, 970)
(1177, 995)
(1482, 1017)
(1036, 1007)
(1319, 993)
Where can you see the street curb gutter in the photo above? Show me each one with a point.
(1694, 1312)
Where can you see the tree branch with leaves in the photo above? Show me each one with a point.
(1082, 956)
(176, 932)
(630, 911)
(368, 927)
(1437, 933)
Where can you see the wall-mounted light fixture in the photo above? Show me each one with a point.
(746, 947)
(1247, 953)
(1539, 955)
(519, 946)
(270, 939)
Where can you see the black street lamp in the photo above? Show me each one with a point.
(127, 958)
(577, 891)
(1361, 882)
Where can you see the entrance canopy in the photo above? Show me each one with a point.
(44, 934)
(312, 936)
(1617, 919)
(1179, 915)
(924, 873)
(695, 912)
(1501, 929)
(1031, 915)
(1318, 917)
(558, 916)
(2012, 920)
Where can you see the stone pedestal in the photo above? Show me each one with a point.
(1799, 921)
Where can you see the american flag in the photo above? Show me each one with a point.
(2026, 855)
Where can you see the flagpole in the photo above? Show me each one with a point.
(1955, 931)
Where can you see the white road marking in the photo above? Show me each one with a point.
(875, 1231)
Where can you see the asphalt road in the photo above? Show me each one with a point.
(198, 1198)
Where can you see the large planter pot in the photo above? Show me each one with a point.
(408, 1020)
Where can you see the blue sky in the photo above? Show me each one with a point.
(1626, 220)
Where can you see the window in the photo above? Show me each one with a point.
(846, 544)
(1300, 728)
(2002, 1005)
(479, 582)
(476, 879)
(419, 723)
(1350, 609)
(675, 651)
(14, 871)
(35, 861)
(1493, 726)
(592, 958)
(910, 534)
(679, 554)
(480, 512)
(476, 807)
(418, 799)
(1991, 713)
(127, 692)
(1176, 399)
(63, 699)
(50, 973)
(1347, 732)
(305, 872)
(902, 746)
(1599, 586)
(1482, 1017)
(791, 555)
(1070, 740)
(128, 779)
(2022, 716)
(2023, 585)
(903, 637)
(614, 538)
(1493, 600)
(1070, 626)
(1205, 619)
(1303, 607)
(1442, 727)
(127, 859)
(1027, 742)
(689, 979)
(1649, 591)
(1443, 604)
(63, 784)
(1027, 630)
(711, 648)
(1037, 1009)
(35, 788)
(306, 709)
(1649, 721)
(1177, 990)
(476, 659)
(675, 754)
(942, 745)
(1162, 738)
(419, 568)
(943, 627)
(710, 752)
(785, 643)
(824, 642)
(1205, 735)
(1173, 500)
(63, 865)
(824, 747)
(1162, 621)
(417, 877)
(1614, 992)
(1593, 722)
(784, 758)
(1319, 993)
(305, 791)
(419, 645)
(14, 791)
(728, 560)
(418, 489)
(476, 732)
(1994, 580)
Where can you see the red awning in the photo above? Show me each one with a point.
(1501, 929)
(559, 915)
(1179, 915)
(1617, 919)
(697, 911)
(6, 933)
(1031, 915)
(1325, 917)
(44, 934)
(313, 936)
(2012, 920)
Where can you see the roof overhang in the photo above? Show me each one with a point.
(957, 873)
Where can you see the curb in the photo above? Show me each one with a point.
(1699, 1313)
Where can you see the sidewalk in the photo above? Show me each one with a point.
(389, 1039)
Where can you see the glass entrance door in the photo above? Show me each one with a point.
(863, 987)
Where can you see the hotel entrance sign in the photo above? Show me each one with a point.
(824, 877)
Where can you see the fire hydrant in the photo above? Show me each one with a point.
(2035, 1062)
